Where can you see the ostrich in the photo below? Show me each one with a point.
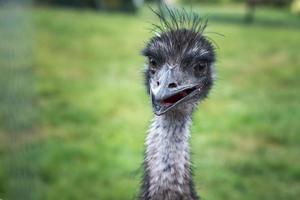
(179, 74)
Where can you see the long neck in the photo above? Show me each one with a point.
(167, 161)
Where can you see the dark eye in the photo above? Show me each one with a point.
(152, 65)
(200, 68)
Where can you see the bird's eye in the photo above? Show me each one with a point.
(152, 65)
(200, 68)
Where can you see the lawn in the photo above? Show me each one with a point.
(93, 111)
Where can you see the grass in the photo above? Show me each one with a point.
(94, 111)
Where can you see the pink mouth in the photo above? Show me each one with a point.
(177, 97)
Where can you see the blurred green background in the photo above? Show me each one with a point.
(74, 111)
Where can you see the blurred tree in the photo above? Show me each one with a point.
(123, 5)
(251, 4)
(73, 3)
(210, 1)
(250, 10)
(277, 3)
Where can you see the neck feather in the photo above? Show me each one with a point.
(167, 161)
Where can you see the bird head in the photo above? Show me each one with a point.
(180, 62)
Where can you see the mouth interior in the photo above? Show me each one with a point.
(178, 96)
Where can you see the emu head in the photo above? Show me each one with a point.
(180, 68)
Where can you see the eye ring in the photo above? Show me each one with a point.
(200, 68)
(152, 62)
(152, 65)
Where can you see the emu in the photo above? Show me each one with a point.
(179, 74)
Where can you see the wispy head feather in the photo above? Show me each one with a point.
(172, 19)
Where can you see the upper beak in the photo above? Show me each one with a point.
(166, 96)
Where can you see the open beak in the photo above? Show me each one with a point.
(165, 98)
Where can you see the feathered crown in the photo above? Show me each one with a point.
(172, 19)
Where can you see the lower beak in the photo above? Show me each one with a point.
(166, 98)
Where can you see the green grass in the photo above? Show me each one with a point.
(94, 111)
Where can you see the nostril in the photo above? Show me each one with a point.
(157, 82)
(172, 85)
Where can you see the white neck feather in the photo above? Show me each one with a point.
(167, 155)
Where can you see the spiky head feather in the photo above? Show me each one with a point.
(171, 19)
